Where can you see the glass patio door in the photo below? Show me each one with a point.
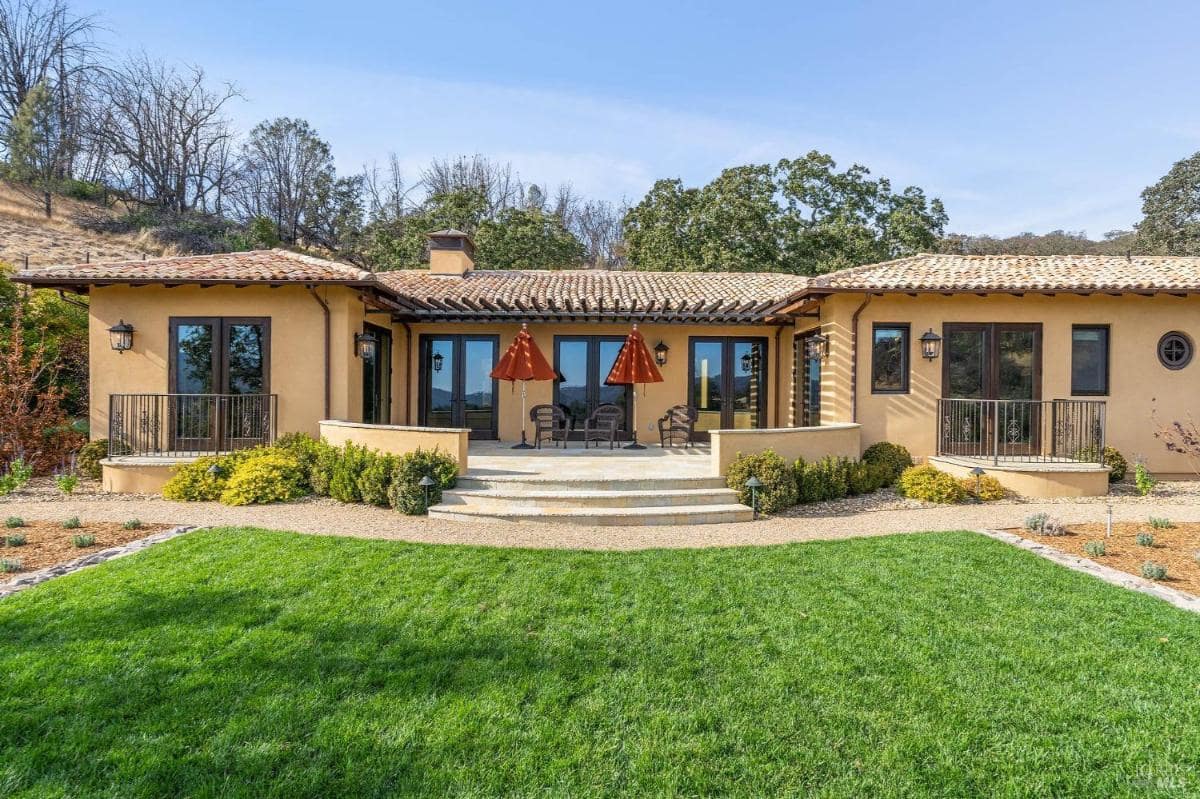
(727, 379)
(377, 378)
(807, 388)
(218, 374)
(989, 362)
(457, 389)
(583, 362)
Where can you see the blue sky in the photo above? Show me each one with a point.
(1020, 116)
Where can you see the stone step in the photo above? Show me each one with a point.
(634, 516)
(526, 482)
(520, 496)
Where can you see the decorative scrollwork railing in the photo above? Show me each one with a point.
(1022, 430)
(183, 425)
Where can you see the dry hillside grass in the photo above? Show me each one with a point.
(26, 232)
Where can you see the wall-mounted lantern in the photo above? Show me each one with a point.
(931, 345)
(120, 336)
(437, 361)
(818, 346)
(365, 345)
(660, 353)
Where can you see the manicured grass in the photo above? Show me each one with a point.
(246, 663)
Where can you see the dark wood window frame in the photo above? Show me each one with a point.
(221, 325)
(905, 355)
(384, 368)
(1077, 392)
(1189, 350)
(804, 405)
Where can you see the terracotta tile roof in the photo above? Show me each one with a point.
(987, 273)
(593, 294)
(267, 266)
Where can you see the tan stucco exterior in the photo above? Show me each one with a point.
(397, 439)
(1141, 389)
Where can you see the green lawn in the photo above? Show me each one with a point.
(248, 663)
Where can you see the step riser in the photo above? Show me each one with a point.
(601, 520)
(611, 499)
(518, 485)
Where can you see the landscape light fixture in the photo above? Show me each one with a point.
(754, 484)
(425, 483)
(365, 344)
(978, 474)
(931, 345)
(120, 336)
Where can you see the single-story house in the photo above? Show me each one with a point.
(1026, 365)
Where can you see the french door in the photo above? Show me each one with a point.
(807, 388)
(999, 366)
(457, 389)
(727, 379)
(377, 378)
(219, 371)
(583, 362)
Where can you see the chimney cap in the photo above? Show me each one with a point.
(451, 239)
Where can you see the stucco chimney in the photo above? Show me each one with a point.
(451, 252)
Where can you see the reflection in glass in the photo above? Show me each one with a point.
(479, 400)
(194, 359)
(610, 395)
(747, 383)
(440, 399)
(573, 388)
(706, 384)
(246, 359)
(966, 356)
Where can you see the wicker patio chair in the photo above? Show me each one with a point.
(677, 425)
(603, 425)
(549, 424)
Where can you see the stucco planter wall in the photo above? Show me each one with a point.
(398, 439)
(810, 443)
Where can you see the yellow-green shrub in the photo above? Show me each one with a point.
(778, 483)
(270, 475)
(988, 489)
(406, 495)
(376, 478)
(930, 485)
(199, 481)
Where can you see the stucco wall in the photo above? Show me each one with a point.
(398, 440)
(810, 443)
(297, 345)
(1140, 387)
(651, 404)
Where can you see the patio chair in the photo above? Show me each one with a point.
(677, 425)
(549, 424)
(603, 425)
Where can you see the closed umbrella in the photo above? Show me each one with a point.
(634, 365)
(524, 362)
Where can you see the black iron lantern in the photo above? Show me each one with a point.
(365, 344)
(660, 353)
(437, 361)
(818, 346)
(931, 345)
(120, 336)
(748, 361)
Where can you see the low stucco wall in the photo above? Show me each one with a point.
(136, 475)
(810, 443)
(1043, 481)
(397, 440)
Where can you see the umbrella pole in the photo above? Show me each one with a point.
(524, 444)
(635, 444)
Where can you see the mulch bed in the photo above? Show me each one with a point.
(1174, 547)
(48, 543)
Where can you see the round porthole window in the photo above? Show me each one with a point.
(1175, 350)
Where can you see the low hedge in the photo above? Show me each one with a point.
(778, 489)
(267, 475)
(929, 484)
(406, 494)
(891, 459)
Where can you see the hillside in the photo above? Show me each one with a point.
(25, 232)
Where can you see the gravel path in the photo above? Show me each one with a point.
(828, 521)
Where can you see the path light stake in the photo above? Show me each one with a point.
(1108, 526)
(425, 483)
(754, 484)
(977, 473)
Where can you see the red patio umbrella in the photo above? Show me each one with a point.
(524, 362)
(634, 365)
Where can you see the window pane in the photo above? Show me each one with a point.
(888, 359)
(706, 384)
(194, 359)
(572, 388)
(966, 351)
(1089, 360)
(246, 359)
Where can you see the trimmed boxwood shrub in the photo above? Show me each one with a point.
(778, 489)
(199, 481)
(828, 478)
(87, 460)
(343, 482)
(892, 459)
(406, 495)
(930, 485)
(376, 478)
(269, 475)
(306, 449)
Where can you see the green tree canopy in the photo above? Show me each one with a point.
(526, 238)
(800, 216)
(1171, 211)
(36, 144)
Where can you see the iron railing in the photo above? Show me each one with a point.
(1022, 430)
(184, 425)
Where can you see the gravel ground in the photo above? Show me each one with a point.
(879, 514)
